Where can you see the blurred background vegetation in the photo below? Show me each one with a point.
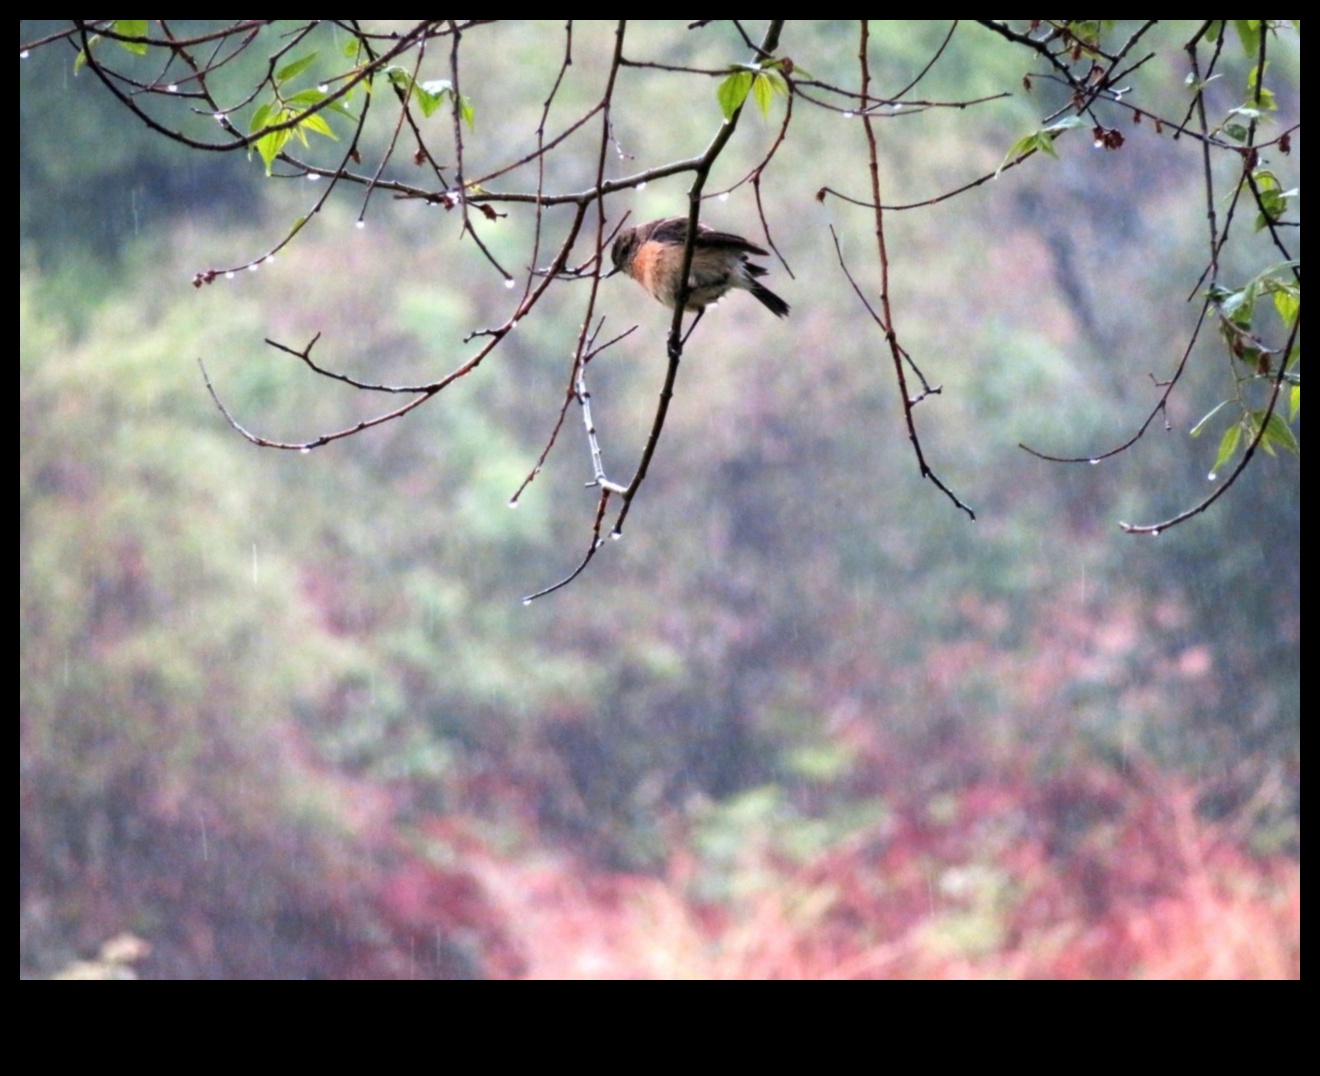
(284, 716)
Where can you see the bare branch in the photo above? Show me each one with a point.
(168, 77)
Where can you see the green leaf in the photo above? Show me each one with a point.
(1042, 141)
(733, 92)
(1024, 145)
(1199, 428)
(1227, 446)
(316, 122)
(1068, 124)
(1265, 99)
(133, 28)
(1277, 432)
(428, 102)
(1294, 401)
(81, 58)
(306, 98)
(1236, 305)
(1274, 201)
(1287, 302)
(766, 84)
(292, 70)
(1197, 86)
(1248, 31)
(430, 95)
(260, 117)
(1275, 276)
(1273, 204)
(270, 145)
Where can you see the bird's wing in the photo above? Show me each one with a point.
(675, 230)
(728, 241)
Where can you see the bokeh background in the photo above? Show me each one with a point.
(285, 716)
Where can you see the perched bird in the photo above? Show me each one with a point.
(652, 254)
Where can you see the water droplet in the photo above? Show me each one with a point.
(513, 502)
(898, 105)
(313, 177)
(1155, 533)
(304, 450)
(24, 54)
(359, 223)
(267, 259)
(172, 88)
(1211, 476)
(509, 282)
(615, 535)
(641, 186)
(724, 197)
(323, 87)
(848, 115)
(229, 274)
(221, 119)
(1093, 463)
(254, 267)
(527, 601)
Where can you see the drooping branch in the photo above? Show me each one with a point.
(884, 318)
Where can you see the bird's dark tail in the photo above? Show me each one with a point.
(769, 299)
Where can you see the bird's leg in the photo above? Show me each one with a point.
(683, 342)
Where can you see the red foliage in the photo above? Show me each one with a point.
(1095, 875)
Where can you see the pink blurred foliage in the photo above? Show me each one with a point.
(1093, 875)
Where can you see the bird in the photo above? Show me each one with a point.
(652, 254)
